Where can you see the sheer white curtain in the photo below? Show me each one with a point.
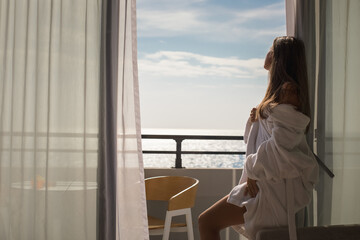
(49, 118)
(342, 112)
(334, 37)
(50, 140)
(131, 199)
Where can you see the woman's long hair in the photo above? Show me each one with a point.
(288, 66)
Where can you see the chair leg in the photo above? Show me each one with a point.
(189, 225)
(167, 227)
(168, 219)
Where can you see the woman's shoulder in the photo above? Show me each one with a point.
(288, 115)
(289, 94)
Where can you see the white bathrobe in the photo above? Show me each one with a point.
(279, 158)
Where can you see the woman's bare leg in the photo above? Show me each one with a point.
(219, 216)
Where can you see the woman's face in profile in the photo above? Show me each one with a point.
(268, 59)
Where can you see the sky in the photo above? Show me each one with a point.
(201, 61)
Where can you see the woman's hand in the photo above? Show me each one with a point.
(252, 189)
(253, 115)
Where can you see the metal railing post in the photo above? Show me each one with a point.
(178, 160)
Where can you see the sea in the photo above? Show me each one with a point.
(194, 160)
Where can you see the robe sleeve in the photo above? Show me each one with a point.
(280, 157)
(247, 130)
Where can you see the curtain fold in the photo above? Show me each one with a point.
(108, 121)
(300, 23)
(131, 200)
(121, 173)
(325, 185)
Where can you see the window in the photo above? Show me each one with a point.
(201, 70)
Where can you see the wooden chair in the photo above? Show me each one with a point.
(180, 193)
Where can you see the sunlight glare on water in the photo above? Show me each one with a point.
(194, 160)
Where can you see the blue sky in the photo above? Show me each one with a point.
(201, 61)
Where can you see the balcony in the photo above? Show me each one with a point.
(214, 183)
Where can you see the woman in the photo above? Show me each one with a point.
(279, 163)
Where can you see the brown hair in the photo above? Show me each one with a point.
(288, 67)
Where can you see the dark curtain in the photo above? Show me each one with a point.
(324, 187)
(305, 29)
(107, 165)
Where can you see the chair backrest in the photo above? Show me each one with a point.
(179, 191)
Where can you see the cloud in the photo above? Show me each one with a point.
(177, 64)
(267, 12)
(247, 86)
(215, 23)
(157, 23)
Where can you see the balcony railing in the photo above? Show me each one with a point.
(179, 138)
